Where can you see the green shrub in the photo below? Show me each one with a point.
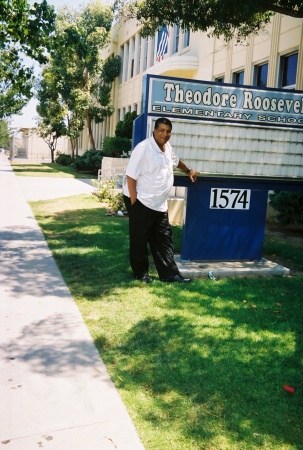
(116, 146)
(105, 192)
(63, 159)
(124, 128)
(116, 202)
(90, 161)
(289, 206)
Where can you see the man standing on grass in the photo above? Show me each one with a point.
(149, 179)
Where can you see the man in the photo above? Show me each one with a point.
(149, 177)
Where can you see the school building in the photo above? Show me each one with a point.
(274, 58)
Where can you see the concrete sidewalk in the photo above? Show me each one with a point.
(46, 188)
(55, 392)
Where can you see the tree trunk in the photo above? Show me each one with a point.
(53, 145)
(90, 132)
(77, 145)
(72, 143)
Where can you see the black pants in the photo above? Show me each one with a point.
(147, 226)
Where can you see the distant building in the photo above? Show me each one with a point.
(27, 144)
(274, 58)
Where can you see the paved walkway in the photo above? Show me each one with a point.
(55, 392)
(46, 188)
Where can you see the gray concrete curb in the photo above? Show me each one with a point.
(221, 269)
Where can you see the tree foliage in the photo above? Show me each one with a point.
(82, 79)
(16, 83)
(4, 134)
(25, 29)
(227, 18)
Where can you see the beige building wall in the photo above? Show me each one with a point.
(203, 58)
(32, 147)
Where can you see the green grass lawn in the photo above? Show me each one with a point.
(48, 170)
(199, 367)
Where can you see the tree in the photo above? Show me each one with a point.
(82, 79)
(50, 134)
(52, 112)
(4, 134)
(227, 18)
(24, 30)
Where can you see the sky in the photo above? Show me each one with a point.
(28, 113)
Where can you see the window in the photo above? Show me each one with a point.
(186, 36)
(152, 51)
(145, 48)
(176, 34)
(260, 75)
(288, 71)
(219, 79)
(238, 77)
(122, 65)
(126, 49)
(139, 44)
(132, 57)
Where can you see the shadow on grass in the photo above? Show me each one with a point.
(49, 169)
(227, 360)
(289, 253)
(33, 168)
(213, 363)
(84, 241)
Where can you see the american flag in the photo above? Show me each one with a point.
(162, 47)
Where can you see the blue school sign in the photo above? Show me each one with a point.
(225, 213)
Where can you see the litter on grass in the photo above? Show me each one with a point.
(211, 275)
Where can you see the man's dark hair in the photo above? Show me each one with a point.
(165, 121)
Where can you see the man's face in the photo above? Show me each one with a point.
(162, 134)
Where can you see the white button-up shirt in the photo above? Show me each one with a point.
(153, 170)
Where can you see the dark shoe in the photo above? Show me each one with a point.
(145, 278)
(177, 279)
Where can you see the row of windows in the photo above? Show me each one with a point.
(121, 112)
(287, 73)
(288, 69)
(139, 53)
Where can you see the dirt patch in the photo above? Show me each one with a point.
(293, 233)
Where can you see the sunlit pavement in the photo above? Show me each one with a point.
(54, 388)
